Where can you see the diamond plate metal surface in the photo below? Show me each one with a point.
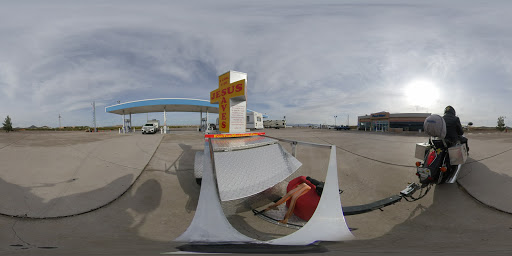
(198, 164)
(230, 144)
(243, 173)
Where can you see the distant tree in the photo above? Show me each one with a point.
(501, 123)
(468, 126)
(7, 125)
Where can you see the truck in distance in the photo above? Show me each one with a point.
(151, 126)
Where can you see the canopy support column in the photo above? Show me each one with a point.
(165, 121)
(123, 121)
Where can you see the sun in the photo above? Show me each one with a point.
(421, 93)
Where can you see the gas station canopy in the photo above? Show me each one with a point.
(161, 105)
(164, 104)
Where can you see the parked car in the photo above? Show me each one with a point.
(343, 127)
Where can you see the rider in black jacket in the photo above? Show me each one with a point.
(454, 129)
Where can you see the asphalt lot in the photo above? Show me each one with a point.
(160, 198)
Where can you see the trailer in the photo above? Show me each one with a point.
(254, 121)
(231, 183)
(274, 124)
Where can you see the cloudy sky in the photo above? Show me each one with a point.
(306, 60)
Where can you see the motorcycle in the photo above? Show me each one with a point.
(441, 161)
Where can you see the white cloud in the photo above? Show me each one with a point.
(306, 60)
(8, 81)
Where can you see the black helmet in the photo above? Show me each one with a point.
(449, 110)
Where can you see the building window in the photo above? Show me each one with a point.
(366, 126)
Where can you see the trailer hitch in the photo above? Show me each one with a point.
(409, 191)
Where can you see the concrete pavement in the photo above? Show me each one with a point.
(48, 174)
(487, 176)
(161, 203)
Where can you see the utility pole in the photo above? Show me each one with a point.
(94, 115)
(60, 126)
(335, 120)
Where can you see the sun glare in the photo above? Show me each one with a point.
(421, 93)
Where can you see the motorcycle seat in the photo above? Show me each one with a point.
(438, 143)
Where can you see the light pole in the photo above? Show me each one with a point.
(335, 120)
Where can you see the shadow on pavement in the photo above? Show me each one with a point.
(114, 227)
(487, 186)
(184, 166)
(454, 223)
(36, 207)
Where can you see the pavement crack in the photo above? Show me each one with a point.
(12, 143)
(18, 237)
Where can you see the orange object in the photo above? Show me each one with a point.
(293, 194)
(443, 169)
(418, 164)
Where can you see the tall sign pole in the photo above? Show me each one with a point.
(232, 100)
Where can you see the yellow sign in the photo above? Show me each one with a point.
(227, 92)
(224, 80)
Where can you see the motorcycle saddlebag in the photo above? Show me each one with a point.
(421, 150)
(458, 154)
